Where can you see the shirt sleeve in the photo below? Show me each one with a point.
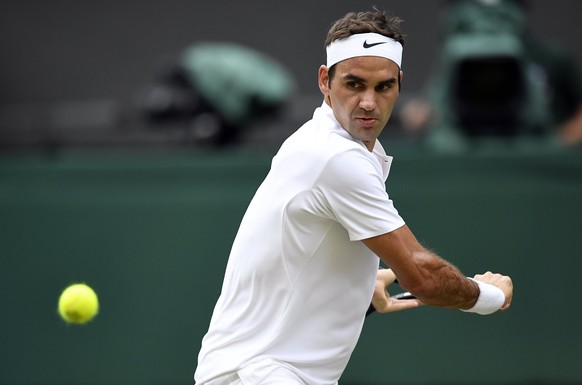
(353, 185)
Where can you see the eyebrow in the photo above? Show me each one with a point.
(354, 78)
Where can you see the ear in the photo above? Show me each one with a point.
(323, 80)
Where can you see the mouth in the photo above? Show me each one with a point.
(366, 121)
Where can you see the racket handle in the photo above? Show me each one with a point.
(406, 295)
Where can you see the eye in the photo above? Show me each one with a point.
(354, 84)
(384, 86)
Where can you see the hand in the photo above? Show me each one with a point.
(501, 281)
(382, 301)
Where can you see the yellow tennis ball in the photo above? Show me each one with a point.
(78, 304)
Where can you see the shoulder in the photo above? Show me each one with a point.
(351, 169)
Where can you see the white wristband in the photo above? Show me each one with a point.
(491, 298)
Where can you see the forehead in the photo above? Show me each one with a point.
(368, 67)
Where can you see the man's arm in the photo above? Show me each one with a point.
(429, 277)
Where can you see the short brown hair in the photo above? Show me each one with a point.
(376, 21)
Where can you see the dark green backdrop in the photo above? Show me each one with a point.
(152, 233)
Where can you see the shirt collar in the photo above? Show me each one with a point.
(378, 151)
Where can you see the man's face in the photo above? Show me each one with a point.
(362, 94)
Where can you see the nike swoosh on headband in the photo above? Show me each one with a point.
(366, 45)
(363, 44)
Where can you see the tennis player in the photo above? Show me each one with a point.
(304, 265)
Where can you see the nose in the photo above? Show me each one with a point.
(368, 101)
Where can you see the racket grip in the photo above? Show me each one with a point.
(406, 295)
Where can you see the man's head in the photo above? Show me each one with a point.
(375, 21)
(361, 81)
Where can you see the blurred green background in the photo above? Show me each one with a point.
(151, 234)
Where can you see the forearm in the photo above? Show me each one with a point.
(437, 282)
(429, 277)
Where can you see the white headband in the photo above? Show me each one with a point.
(364, 44)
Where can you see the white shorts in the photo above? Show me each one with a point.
(265, 372)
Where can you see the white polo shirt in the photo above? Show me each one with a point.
(298, 281)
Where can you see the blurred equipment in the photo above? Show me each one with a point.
(490, 87)
(216, 90)
(494, 79)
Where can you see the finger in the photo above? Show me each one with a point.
(394, 305)
(387, 276)
(381, 300)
